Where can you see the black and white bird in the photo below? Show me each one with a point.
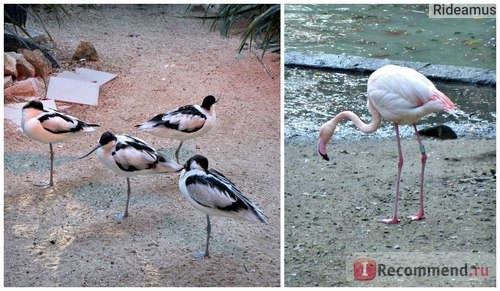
(213, 194)
(130, 156)
(183, 123)
(49, 126)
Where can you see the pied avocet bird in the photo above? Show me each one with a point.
(49, 126)
(130, 156)
(213, 194)
(183, 123)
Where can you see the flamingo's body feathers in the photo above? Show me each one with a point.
(403, 95)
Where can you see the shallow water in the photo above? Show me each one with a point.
(396, 32)
(399, 32)
(313, 97)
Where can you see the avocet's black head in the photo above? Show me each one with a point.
(208, 102)
(35, 104)
(106, 138)
(196, 162)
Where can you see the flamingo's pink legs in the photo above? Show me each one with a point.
(420, 214)
(394, 218)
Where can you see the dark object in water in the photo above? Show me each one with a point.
(440, 131)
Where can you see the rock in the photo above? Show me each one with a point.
(12, 43)
(24, 68)
(9, 67)
(41, 64)
(85, 50)
(35, 35)
(440, 131)
(7, 81)
(31, 87)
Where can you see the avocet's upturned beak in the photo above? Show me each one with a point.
(93, 150)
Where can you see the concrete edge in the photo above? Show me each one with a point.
(368, 65)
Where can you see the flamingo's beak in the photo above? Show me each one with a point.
(322, 150)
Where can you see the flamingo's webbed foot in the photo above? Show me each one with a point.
(418, 216)
(392, 220)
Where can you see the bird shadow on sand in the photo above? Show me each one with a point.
(22, 162)
(191, 233)
(113, 196)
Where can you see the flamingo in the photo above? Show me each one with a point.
(403, 96)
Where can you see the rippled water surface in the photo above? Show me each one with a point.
(313, 97)
(399, 32)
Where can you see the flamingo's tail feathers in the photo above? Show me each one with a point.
(445, 100)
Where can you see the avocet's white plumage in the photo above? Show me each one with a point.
(130, 156)
(183, 123)
(49, 126)
(213, 194)
(403, 96)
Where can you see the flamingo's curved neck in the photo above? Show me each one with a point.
(364, 127)
(327, 129)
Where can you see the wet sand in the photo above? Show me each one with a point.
(332, 208)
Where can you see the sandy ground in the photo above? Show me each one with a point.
(66, 236)
(332, 208)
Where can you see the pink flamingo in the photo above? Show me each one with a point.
(403, 96)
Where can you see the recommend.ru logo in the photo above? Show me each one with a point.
(421, 269)
(365, 269)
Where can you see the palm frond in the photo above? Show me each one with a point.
(264, 28)
(19, 11)
(266, 24)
